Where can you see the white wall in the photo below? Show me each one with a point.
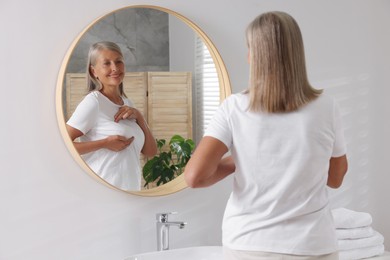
(51, 209)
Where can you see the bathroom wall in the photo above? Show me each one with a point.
(51, 209)
(141, 33)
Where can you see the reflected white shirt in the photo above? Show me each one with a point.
(94, 116)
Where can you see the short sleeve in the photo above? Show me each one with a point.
(85, 116)
(219, 126)
(339, 147)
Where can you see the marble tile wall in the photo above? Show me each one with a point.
(141, 33)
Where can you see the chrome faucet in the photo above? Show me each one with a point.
(162, 226)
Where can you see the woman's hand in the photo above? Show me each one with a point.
(117, 143)
(114, 143)
(126, 112)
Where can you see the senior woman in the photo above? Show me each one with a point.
(106, 128)
(287, 145)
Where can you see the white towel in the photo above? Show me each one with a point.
(346, 218)
(361, 253)
(354, 233)
(348, 244)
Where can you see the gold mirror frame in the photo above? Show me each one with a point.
(178, 183)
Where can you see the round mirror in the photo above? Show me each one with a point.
(174, 76)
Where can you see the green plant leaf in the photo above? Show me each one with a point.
(165, 166)
(176, 139)
(160, 143)
(191, 143)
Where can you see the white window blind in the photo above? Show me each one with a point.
(206, 88)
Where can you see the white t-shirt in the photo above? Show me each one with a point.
(279, 201)
(94, 117)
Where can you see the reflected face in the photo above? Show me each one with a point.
(109, 68)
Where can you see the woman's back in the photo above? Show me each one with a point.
(281, 163)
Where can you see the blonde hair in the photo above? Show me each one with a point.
(278, 77)
(92, 82)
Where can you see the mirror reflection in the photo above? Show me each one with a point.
(169, 77)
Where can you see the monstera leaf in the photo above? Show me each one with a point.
(167, 165)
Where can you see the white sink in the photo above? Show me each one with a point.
(201, 253)
(189, 253)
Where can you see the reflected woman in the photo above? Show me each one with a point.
(111, 132)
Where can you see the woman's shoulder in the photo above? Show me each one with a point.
(235, 103)
(326, 99)
(236, 100)
(237, 97)
(324, 102)
(94, 94)
(92, 98)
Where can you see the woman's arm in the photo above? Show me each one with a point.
(206, 166)
(114, 143)
(338, 167)
(150, 145)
